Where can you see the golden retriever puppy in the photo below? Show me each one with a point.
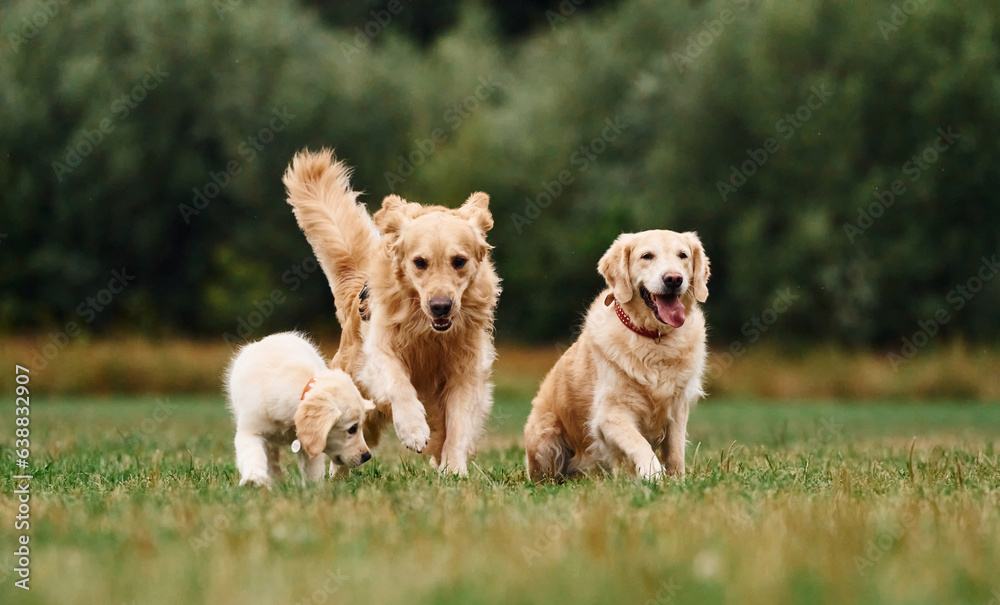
(280, 388)
(415, 291)
(625, 387)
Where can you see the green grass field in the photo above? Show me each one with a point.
(783, 503)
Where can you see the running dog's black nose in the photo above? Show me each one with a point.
(673, 281)
(366, 457)
(440, 306)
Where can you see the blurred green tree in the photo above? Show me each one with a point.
(841, 152)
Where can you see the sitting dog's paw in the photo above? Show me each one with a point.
(413, 432)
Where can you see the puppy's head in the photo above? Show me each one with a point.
(668, 270)
(329, 419)
(436, 251)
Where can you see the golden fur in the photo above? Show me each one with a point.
(616, 395)
(427, 371)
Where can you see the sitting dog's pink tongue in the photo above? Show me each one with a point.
(670, 309)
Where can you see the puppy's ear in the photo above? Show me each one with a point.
(313, 421)
(476, 210)
(614, 268)
(699, 279)
(391, 218)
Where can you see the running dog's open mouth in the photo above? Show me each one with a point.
(667, 308)
(441, 324)
(338, 460)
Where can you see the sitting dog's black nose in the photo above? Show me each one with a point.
(366, 457)
(440, 306)
(673, 281)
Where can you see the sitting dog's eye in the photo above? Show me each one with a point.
(420, 263)
(458, 262)
(647, 256)
(683, 255)
(352, 430)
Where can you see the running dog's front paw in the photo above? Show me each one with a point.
(455, 464)
(412, 432)
(651, 470)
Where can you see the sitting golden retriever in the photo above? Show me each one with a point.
(627, 384)
(415, 291)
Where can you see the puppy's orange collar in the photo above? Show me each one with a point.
(309, 386)
(625, 319)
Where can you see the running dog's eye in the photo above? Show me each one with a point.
(683, 255)
(420, 263)
(352, 430)
(647, 256)
(458, 262)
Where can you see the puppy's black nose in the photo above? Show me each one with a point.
(440, 306)
(673, 281)
(366, 457)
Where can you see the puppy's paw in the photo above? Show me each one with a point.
(339, 471)
(258, 478)
(413, 433)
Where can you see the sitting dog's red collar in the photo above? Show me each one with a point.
(627, 321)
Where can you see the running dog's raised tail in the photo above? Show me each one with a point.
(339, 229)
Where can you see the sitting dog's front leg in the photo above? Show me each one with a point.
(673, 446)
(616, 431)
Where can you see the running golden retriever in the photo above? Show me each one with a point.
(415, 291)
(627, 384)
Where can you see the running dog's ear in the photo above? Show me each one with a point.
(391, 218)
(476, 210)
(614, 268)
(700, 264)
(313, 421)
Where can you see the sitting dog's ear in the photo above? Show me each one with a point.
(313, 421)
(391, 218)
(614, 268)
(701, 271)
(476, 210)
